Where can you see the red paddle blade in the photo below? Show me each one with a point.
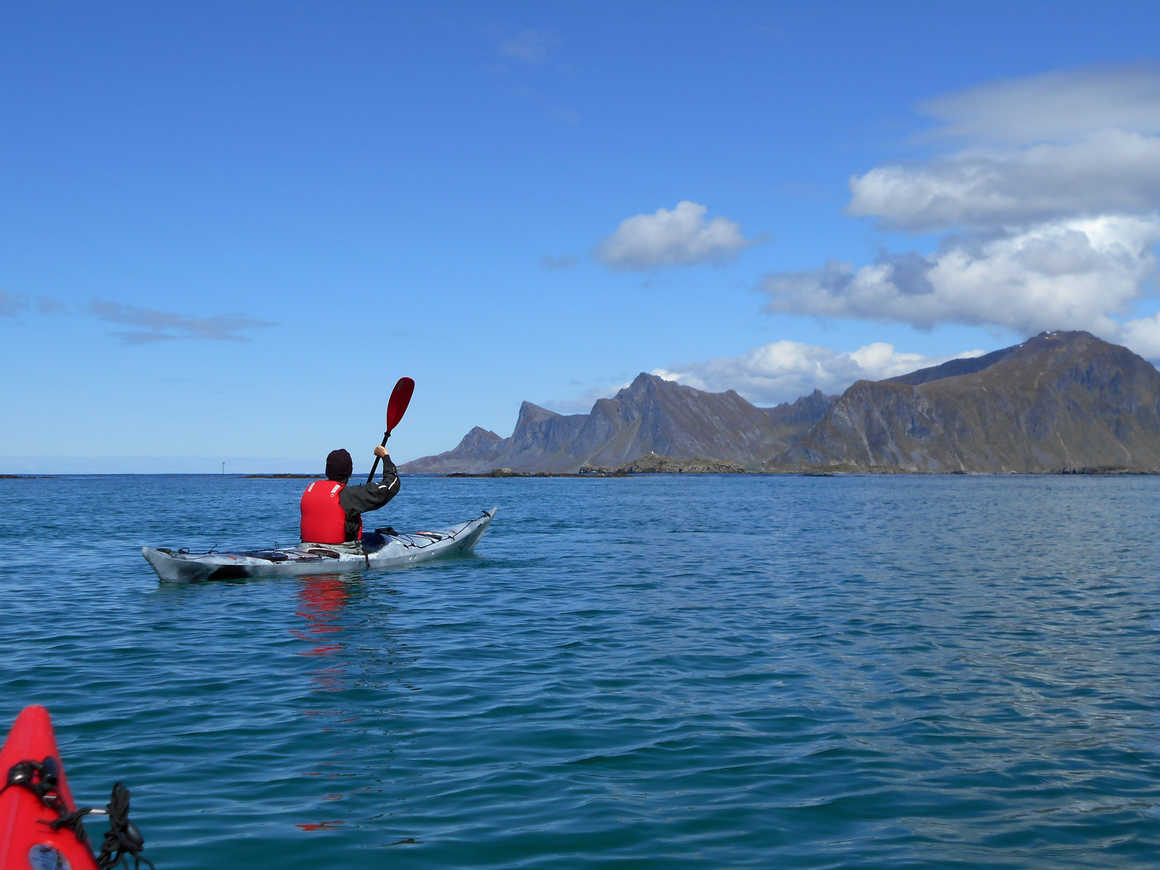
(400, 399)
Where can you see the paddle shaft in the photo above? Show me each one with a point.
(374, 467)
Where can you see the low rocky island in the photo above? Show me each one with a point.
(650, 463)
(655, 463)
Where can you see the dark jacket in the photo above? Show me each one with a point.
(359, 498)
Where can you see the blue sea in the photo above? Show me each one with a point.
(656, 671)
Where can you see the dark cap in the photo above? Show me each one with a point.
(338, 465)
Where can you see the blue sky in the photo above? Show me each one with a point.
(227, 228)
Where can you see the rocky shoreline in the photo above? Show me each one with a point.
(653, 463)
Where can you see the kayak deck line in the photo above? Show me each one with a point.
(393, 550)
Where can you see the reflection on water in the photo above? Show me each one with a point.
(320, 826)
(321, 598)
(321, 602)
(347, 631)
(346, 637)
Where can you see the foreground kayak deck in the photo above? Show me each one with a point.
(26, 839)
(181, 566)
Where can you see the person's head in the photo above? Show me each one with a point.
(338, 466)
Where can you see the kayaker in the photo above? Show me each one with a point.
(332, 511)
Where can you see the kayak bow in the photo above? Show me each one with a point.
(35, 785)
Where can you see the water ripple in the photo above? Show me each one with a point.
(713, 672)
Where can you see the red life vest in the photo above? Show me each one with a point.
(323, 519)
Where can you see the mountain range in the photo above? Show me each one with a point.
(1061, 401)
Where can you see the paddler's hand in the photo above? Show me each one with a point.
(381, 451)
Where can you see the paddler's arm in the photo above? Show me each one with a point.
(371, 496)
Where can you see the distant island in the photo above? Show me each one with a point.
(1060, 402)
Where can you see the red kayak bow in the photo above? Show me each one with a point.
(34, 797)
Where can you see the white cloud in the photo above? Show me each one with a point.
(688, 378)
(672, 238)
(1053, 106)
(1108, 171)
(1069, 274)
(1049, 209)
(786, 370)
(1142, 335)
(1040, 147)
(880, 360)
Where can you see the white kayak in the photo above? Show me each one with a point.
(396, 551)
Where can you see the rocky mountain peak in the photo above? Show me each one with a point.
(1059, 400)
(478, 438)
(531, 414)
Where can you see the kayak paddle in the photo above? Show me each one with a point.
(396, 408)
